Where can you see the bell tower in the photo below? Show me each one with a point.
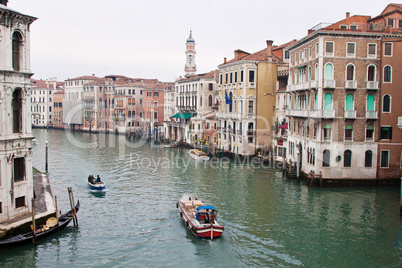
(190, 67)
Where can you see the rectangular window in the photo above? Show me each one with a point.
(400, 23)
(286, 54)
(371, 50)
(296, 54)
(241, 76)
(20, 202)
(250, 107)
(156, 94)
(310, 52)
(388, 49)
(390, 23)
(1, 207)
(231, 78)
(353, 27)
(384, 159)
(155, 115)
(251, 76)
(329, 48)
(210, 86)
(343, 27)
(235, 78)
(350, 49)
(316, 49)
(19, 169)
(386, 133)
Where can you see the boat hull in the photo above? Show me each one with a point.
(97, 186)
(198, 158)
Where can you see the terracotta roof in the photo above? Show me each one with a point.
(86, 77)
(211, 74)
(261, 55)
(96, 81)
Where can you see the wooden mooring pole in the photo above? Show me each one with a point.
(33, 223)
(400, 210)
(57, 214)
(71, 197)
(46, 158)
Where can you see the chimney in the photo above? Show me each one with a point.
(269, 49)
(347, 14)
(224, 60)
(93, 75)
(3, 2)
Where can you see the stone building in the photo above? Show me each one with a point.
(247, 96)
(16, 181)
(334, 91)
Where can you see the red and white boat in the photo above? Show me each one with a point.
(200, 220)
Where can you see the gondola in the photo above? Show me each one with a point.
(47, 230)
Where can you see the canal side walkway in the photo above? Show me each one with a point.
(44, 205)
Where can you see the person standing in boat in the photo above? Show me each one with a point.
(98, 179)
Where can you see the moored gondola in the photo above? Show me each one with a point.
(46, 230)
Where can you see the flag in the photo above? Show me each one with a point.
(219, 104)
(228, 101)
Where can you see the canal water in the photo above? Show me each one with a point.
(270, 221)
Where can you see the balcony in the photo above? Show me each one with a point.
(329, 83)
(240, 85)
(372, 85)
(371, 115)
(250, 132)
(350, 84)
(118, 118)
(322, 114)
(314, 84)
(239, 132)
(350, 114)
(290, 87)
(297, 113)
(251, 84)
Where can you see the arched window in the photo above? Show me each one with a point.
(327, 132)
(370, 103)
(347, 158)
(386, 104)
(348, 132)
(129, 114)
(17, 110)
(329, 72)
(387, 74)
(200, 101)
(100, 102)
(371, 73)
(210, 100)
(349, 102)
(316, 72)
(368, 159)
(17, 41)
(369, 132)
(326, 158)
(328, 101)
(350, 72)
(371, 26)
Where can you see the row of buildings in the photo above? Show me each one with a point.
(328, 101)
(324, 101)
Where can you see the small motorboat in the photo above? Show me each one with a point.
(96, 184)
(198, 155)
(171, 145)
(201, 220)
(49, 228)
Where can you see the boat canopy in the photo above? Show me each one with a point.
(205, 207)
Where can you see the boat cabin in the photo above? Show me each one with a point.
(199, 153)
(206, 214)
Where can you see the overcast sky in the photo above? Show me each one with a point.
(146, 38)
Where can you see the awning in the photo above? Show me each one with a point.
(284, 126)
(303, 66)
(183, 115)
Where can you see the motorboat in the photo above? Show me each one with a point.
(96, 184)
(171, 145)
(201, 220)
(198, 155)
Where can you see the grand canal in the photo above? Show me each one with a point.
(270, 221)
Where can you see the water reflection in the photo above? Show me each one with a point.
(269, 220)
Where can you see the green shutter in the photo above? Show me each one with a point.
(370, 102)
(328, 102)
(349, 102)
